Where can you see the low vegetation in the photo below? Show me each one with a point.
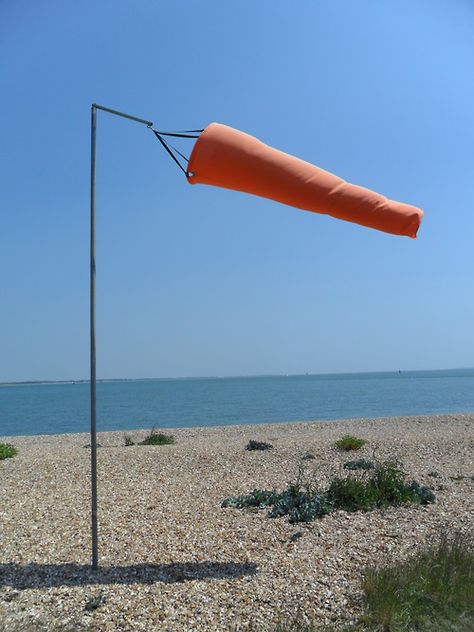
(433, 591)
(258, 498)
(7, 451)
(359, 464)
(128, 440)
(94, 602)
(299, 504)
(157, 438)
(258, 445)
(383, 486)
(348, 442)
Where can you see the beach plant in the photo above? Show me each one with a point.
(7, 451)
(300, 505)
(258, 445)
(94, 602)
(259, 498)
(383, 486)
(348, 442)
(359, 464)
(421, 493)
(157, 438)
(128, 440)
(297, 504)
(300, 501)
(434, 590)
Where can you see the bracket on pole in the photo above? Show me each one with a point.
(122, 114)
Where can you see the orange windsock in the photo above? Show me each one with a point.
(228, 158)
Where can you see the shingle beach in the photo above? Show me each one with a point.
(173, 559)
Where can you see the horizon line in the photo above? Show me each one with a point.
(224, 377)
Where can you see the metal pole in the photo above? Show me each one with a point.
(95, 552)
(95, 107)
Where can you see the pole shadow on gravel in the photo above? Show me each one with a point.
(23, 576)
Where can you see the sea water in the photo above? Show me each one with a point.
(50, 408)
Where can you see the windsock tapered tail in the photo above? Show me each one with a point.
(228, 158)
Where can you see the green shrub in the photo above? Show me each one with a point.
(348, 442)
(259, 498)
(385, 486)
(432, 591)
(157, 438)
(258, 445)
(128, 440)
(351, 494)
(299, 501)
(381, 487)
(7, 451)
(300, 505)
(359, 464)
(309, 456)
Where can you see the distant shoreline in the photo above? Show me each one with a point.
(408, 372)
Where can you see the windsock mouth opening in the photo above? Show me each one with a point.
(415, 225)
(191, 172)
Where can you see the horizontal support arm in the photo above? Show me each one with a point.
(127, 116)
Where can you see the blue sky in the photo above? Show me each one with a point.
(203, 281)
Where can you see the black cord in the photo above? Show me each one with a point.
(187, 133)
(165, 145)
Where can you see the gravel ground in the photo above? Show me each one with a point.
(173, 559)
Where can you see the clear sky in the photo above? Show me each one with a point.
(203, 281)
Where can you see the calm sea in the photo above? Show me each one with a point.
(28, 409)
